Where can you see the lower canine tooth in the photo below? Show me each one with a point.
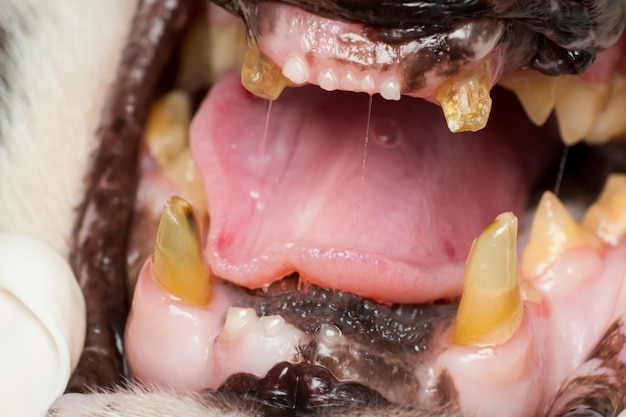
(260, 76)
(607, 216)
(535, 91)
(296, 70)
(466, 100)
(552, 233)
(577, 106)
(178, 263)
(490, 310)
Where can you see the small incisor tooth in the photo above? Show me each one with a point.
(578, 104)
(607, 216)
(167, 126)
(535, 91)
(178, 263)
(553, 232)
(261, 77)
(491, 308)
(466, 101)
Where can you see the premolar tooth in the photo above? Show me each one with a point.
(490, 310)
(390, 89)
(607, 216)
(327, 80)
(466, 101)
(178, 263)
(611, 122)
(296, 69)
(535, 91)
(261, 77)
(236, 319)
(577, 106)
(167, 126)
(553, 232)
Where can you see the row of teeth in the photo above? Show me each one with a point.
(491, 307)
(297, 71)
(585, 111)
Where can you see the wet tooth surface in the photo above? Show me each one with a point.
(553, 232)
(178, 263)
(262, 77)
(607, 216)
(296, 69)
(466, 100)
(536, 92)
(490, 310)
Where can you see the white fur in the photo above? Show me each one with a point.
(61, 57)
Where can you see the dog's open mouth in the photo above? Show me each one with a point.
(333, 248)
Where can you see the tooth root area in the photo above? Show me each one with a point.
(553, 232)
(535, 91)
(178, 263)
(262, 77)
(296, 69)
(607, 216)
(491, 310)
(466, 101)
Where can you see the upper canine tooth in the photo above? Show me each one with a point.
(390, 89)
(178, 263)
(466, 101)
(552, 233)
(296, 69)
(535, 91)
(261, 77)
(490, 310)
(607, 216)
(577, 106)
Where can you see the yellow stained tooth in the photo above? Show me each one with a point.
(491, 309)
(262, 77)
(577, 106)
(535, 91)
(611, 122)
(466, 101)
(607, 216)
(167, 126)
(178, 263)
(552, 233)
(185, 175)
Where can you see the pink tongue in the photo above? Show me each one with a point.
(396, 227)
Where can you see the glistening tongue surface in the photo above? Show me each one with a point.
(297, 202)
